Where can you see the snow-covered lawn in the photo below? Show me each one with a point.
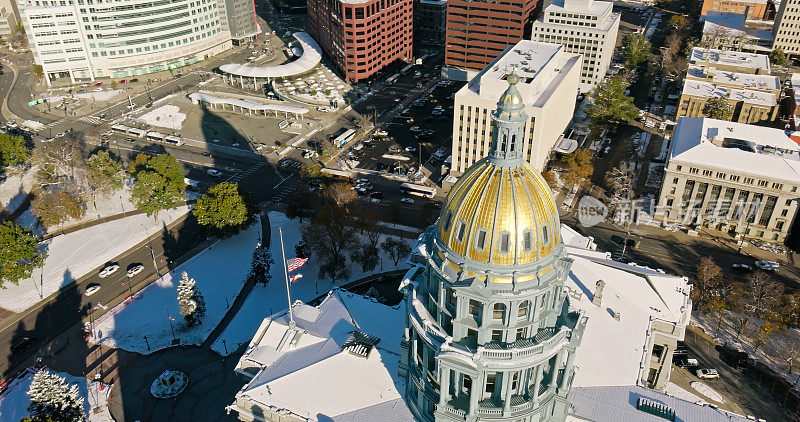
(74, 255)
(707, 391)
(168, 116)
(264, 301)
(219, 272)
(14, 401)
(778, 350)
(91, 95)
(14, 190)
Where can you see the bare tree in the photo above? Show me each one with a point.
(708, 283)
(329, 235)
(762, 294)
(620, 180)
(340, 193)
(788, 348)
(57, 162)
(396, 248)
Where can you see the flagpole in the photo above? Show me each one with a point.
(286, 277)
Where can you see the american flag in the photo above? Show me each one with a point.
(295, 263)
(295, 277)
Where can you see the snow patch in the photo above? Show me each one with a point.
(167, 116)
(707, 391)
(675, 391)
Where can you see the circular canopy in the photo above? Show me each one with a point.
(312, 54)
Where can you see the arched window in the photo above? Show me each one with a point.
(503, 145)
(524, 309)
(499, 311)
(513, 141)
(527, 240)
(480, 240)
(505, 242)
(545, 235)
(461, 231)
(447, 219)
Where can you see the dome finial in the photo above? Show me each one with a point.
(513, 79)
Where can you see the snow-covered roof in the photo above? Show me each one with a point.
(772, 154)
(246, 103)
(312, 54)
(540, 66)
(729, 58)
(588, 7)
(710, 90)
(618, 403)
(636, 294)
(732, 25)
(310, 362)
(738, 79)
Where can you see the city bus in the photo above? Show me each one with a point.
(418, 190)
(120, 129)
(173, 140)
(344, 137)
(155, 136)
(139, 133)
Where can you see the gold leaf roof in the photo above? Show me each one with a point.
(500, 215)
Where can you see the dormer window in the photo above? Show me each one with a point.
(461, 231)
(447, 219)
(527, 240)
(505, 242)
(545, 235)
(480, 240)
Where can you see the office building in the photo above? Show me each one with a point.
(586, 27)
(732, 31)
(9, 17)
(361, 37)
(125, 38)
(549, 80)
(784, 29)
(752, 9)
(731, 177)
(430, 22)
(478, 31)
(241, 19)
(752, 98)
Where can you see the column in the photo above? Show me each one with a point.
(536, 380)
(476, 391)
(444, 390)
(554, 369)
(568, 370)
(507, 393)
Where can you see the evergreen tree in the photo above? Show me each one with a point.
(157, 183)
(190, 301)
(302, 249)
(19, 253)
(636, 50)
(12, 150)
(718, 108)
(53, 399)
(609, 104)
(260, 266)
(225, 209)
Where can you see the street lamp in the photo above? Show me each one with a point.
(153, 255)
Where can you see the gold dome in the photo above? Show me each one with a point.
(500, 215)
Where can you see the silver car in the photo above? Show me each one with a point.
(135, 269)
(108, 270)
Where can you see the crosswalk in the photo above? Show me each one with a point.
(92, 120)
(239, 176)
(285, 189)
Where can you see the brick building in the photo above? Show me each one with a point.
(361, 37)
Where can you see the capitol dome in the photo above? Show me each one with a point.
(501, 211)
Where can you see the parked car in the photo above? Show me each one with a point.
(214, 172)
(21, 344)
(108, 270)
(707, 373)
(411, 149)
(767, 265)
(98, 84)
(381, 133)
(742, 267)
(415, 129)
(407, 200)
(122, 81)
(376, 194)
(134, 269)
(134, 80)
(91, 289)
(394, 150)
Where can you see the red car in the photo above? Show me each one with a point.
(98, 84)
(123, 81)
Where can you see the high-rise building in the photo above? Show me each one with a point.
(9, 16)
(732, 177)
(241, 18)
(586, 27)
(548, 85)
(784, 29)
(128, 37)
(478, 31)
(430, 22)
(361, 37)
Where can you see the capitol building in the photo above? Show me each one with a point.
(508, 315)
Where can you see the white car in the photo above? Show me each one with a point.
(108, 270)
(767, 265)
(415, 129)
(214, 172)
(407, 201)
(381, 133)
(707, 374)
(136, 269)
(216, 141)
(92, 289)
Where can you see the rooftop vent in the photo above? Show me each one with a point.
(360, 343)
(655, 408)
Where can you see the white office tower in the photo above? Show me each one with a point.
(548, 85)
(88, 39)
(587, 27)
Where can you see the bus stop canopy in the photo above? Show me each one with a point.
(312, 54)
